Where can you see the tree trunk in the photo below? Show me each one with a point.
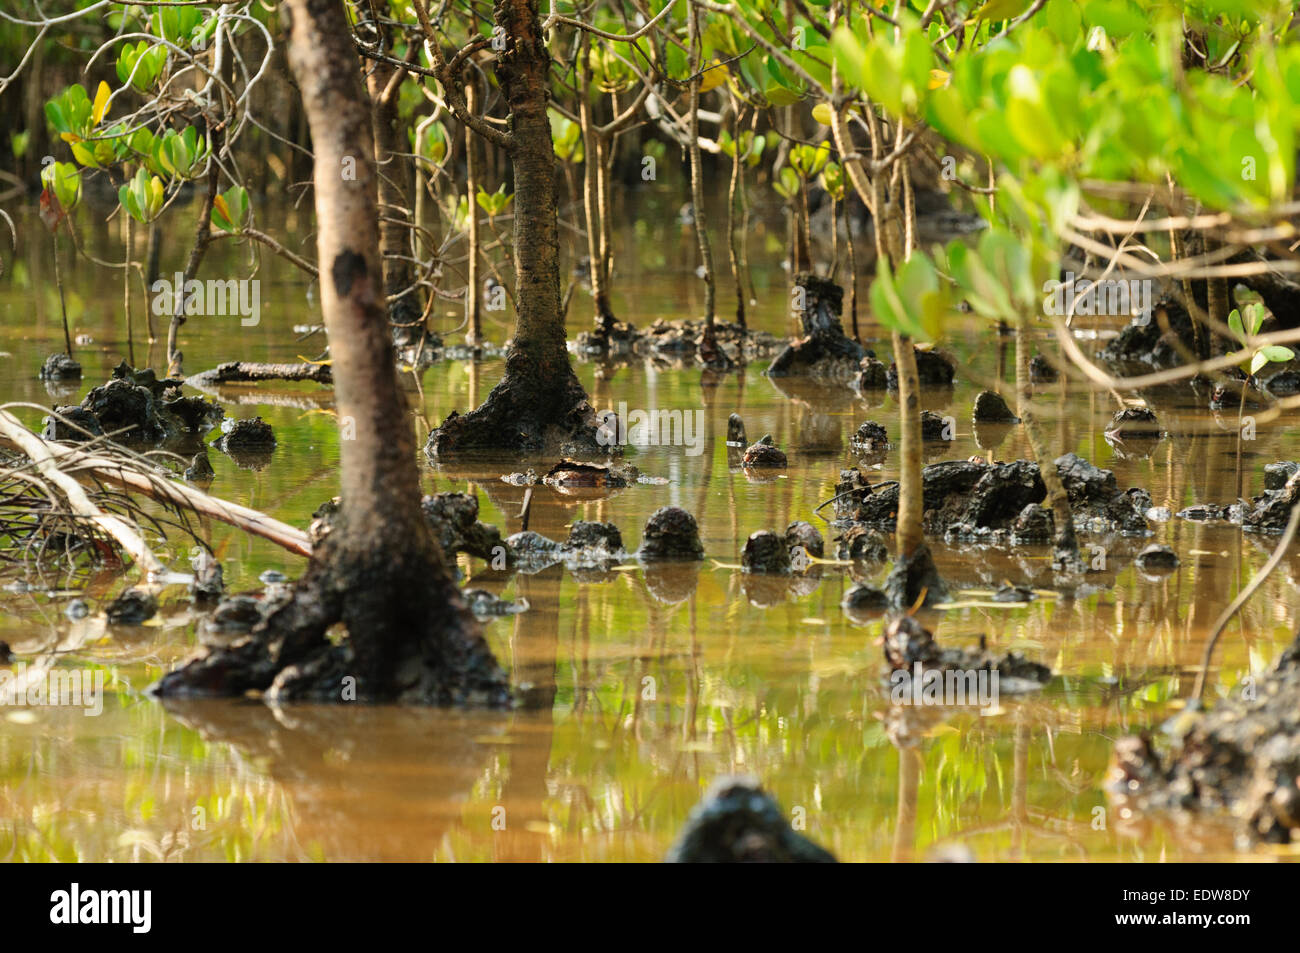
(379, 571)
(1066, 553)
(914, 577)
(539, 405)
(733, 253)
(708, 348)
(473, 282)
(591, 195)
(405, 312)
(202, 238)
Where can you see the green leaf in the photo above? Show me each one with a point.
(64, 180)
(1234, 324)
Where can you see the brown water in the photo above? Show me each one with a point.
(640, 689)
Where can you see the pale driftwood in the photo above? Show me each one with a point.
(71, 464)
(48, 459)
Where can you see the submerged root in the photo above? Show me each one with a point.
(409, 639)
(824, 350)
(914, 580)
(521, 415)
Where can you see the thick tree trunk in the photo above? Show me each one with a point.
(380, 571)
(539, 405)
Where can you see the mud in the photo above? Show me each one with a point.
(60, 367)
(681, 343)
(991, 408)
(590, 546)
(208, 582)
(736, 432)
(1276, 474)
(250, 436)
(872, 374)
(824, 350)
(1042, 371)
(454, 520)
(200, 469)
(132, 607)
(738, 822)
(764, 454)
(1267, 513)
(933, 369)
(967, 500)
(871, 441)
(781, 554)
(1157, 560)
(908, 643)
(233, 615)
(766, 552)
(573, 474)
(1166, 340)
(864, 602)
(861, 544)
(1242, 759)
(934, 428)
(136, 408)
(486, 605)
(805, 536)
(670, 533)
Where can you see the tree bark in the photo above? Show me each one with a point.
(473, 283)
(733, 253)
(914, 577)
(1066, 544)
(708, 347)
(592, 195)
(539, 404)
(404, 312)
(202, 238)
(380, 571)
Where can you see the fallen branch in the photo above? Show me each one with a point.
(46, 459)
(72, 464)
(247, 372)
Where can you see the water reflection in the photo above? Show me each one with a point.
(641, 684)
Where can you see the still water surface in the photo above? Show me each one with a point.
(640, 688)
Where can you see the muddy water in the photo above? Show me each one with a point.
(637, 689)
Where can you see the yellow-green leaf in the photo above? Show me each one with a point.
(101, 102)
